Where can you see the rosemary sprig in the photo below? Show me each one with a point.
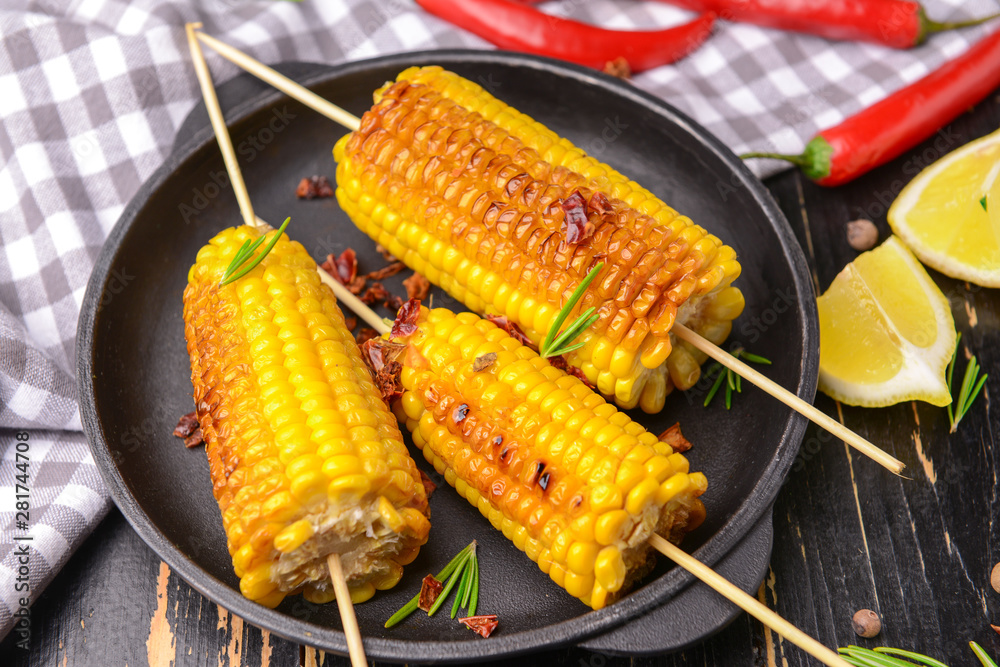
(464, 570)
(235, 272)
(972, 384)
(733, 381)
(411, 606)
(883, 657)
(982, 655)
(556, 343)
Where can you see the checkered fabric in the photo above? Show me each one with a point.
(92, 92)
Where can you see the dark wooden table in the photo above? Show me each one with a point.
(848, 535)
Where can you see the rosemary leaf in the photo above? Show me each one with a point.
(411, 606)
(983, 656)
(474, 598)
(472, 576)
(982, 202)
(922, 659)
(718, 383)
(950, 374)
(548, 348)
(575, 329)
(876, 659)
(755, 358)
(232, 274)
(463, 586)
(729, 390)
(739, 384)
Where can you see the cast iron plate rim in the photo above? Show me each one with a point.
(650, 596)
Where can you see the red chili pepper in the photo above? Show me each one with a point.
(902, 120)
(514, 26)
(900, 24)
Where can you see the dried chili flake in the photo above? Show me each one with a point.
(559, 361)
(195, 439)
(484, 361)
(430, 589)
(482, 625)
(357, 286)
(417, 287)
(314, 187)
(599, 204)
(673, 437)
(377, 292)
(365, 335)
(186, 425)
(512, 329)
(429, 485)
(386, 271)
(343, 267)
(350, 322)
(381, 356)
(576, 226)
(618, 67)
(406, 320)
(393, 302)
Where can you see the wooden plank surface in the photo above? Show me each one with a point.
(848, 535)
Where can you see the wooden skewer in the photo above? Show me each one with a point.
(355, 648)
(347, 616)
(746, 602)
(789, 399)
(317, 103)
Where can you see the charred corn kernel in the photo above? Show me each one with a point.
(565, 479)
(480, 166)
(286, 407)
(609, 569)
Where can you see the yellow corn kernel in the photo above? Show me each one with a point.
(610, 527)
(639, 497)
(293, 536)
(609, 569)
(580, 557)
(677, 484)
(389, 578)
(362, 593)
(605, 497)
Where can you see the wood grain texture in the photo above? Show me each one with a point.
(848, 534)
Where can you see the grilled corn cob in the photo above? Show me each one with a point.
(306, 459)
(468, 191)
(569, 479)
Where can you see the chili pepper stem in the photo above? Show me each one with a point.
(815, 161)
(929, 26)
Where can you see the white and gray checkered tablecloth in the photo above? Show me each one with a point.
(92, 92)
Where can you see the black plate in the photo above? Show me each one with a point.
(134, 378)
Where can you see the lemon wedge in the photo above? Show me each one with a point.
(886, 333)
(949, 215)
